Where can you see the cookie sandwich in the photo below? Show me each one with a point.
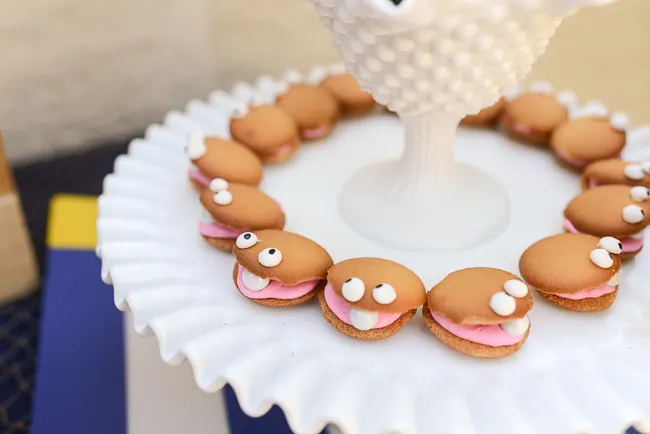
(487, 117)
(352, 100)
(481, 312)
(279, 269)
(314, 109)
(230, 209)
(213, 157)
(532, 116)
(618, 211)
(583, 140)
(266, 129)
(577, 272)
(616, 171)
(370, 298)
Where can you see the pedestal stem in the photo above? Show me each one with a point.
(428, 148)
(425, 200)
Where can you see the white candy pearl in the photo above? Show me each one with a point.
(639, 193)
(601, 258)
(634, 172)
(196, 146)
(516, 288)
(503, 304)
(517, 327)
(253, 282)
(611, 244)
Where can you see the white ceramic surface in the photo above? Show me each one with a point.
(433, 62)
(576, 373)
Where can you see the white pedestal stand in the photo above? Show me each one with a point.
(433, 62)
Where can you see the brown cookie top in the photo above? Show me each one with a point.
(352, 99)
(616, 171)
(243, 208)
(588, 139)
(608, 210)
(283, 256)
(377, 285)
(265, 129)
(487, 116)
(479, 296)
(311, 106)
(227, 159)
(540, 112)
(563, 264)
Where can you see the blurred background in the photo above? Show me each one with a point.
(79, 79)
(76, 73)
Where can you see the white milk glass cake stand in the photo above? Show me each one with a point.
(577, 373)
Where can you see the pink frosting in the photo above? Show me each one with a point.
(197, 176)
(275, 289)
(570, 160)
(592, 183)
(342, 310)
(486, 334)
(283, 150)
(521, 128)
(215, 230)
(630, 245)
(315, 133)
(590, 293)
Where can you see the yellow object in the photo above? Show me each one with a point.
(73, 222)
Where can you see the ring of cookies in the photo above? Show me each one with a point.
(481, 312)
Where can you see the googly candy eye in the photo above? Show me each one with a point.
(270, 257)
(223, 197)
(633, 214)
(218, 184)
(633, 172)
(611, 244)
(353, 289)
(542, 87)
(195, 147)
(503, 304)
(246, 240)
(639, 193)
(384, 293)
(645, 166)
(601, 258)
(620, 121)
(516, 288)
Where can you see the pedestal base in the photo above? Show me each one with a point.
(400, 210)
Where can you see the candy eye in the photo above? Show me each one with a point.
(384, 293)
(646, 167)
(503, 304)
(633, 214)
(353, 289)
(246, 240)
(195, 147)
(639, 193)
(270, 257)
(516, 288)
(602, 258)
(218, 184)
(620, 121)
(633, 172)
(611, 244)
(222, 197)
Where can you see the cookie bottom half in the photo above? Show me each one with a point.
(467, 347)
(584, 305)
(365, 335)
